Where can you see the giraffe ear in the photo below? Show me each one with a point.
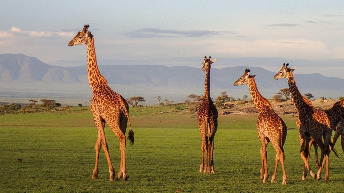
(292, 69)
(252, 76)
(213, 61)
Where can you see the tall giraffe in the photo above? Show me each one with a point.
(207, 122)
(311, 122)
(269, 125)
(107, 106)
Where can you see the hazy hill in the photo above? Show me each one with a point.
(24, 76)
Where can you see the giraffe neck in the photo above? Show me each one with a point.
(300, 101)
(259, 101)
(207, 84)
(94, 77)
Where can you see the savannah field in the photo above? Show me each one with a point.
(54, 152)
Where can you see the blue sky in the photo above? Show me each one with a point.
(308, 34)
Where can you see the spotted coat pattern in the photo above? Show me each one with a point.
(270, 127)
(107, 106)
(336, 116)
(207, 122)
(311, 122)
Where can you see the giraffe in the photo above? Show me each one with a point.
(107, 106)
(312, 123)
(207, 122)
(270, 127)
(336, 116)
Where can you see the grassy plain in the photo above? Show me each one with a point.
(57, 153)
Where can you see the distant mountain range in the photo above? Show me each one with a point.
(23, 77)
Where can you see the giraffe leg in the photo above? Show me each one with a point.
(317, 163)
(326, 149)
(212, 169)
(342, 141)
(207, 160)
(264, 169)
(304, 153)
(119, 130)
(284, 182)
(322, 158)
(123, 170)
(203, 148)
(279, 157)
(97, 148)
(100, 126)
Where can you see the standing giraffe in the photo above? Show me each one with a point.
(207, 121)
(107, 106)
(311, 122)
(269, 125)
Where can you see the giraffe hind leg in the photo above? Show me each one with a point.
(100, 125)
(203, 149)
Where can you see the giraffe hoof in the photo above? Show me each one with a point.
(314, 176)
(95, 174)
(112, 178)
(265, 178)
(284, 182)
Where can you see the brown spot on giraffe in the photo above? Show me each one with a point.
(270, 127)
(312, 123)
(207, 122)
(107, 106)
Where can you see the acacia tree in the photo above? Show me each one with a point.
(277, 97)
(134, 101)
(49, 104)
(285, 92)
(309, 96)
(192, 98)
(222, 98)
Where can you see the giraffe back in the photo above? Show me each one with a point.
(207, 113)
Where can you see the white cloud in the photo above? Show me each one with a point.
(36, 34)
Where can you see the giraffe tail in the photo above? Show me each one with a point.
(131, 133)
(125, 109)
(332, 149)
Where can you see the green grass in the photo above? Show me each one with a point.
(57, 152)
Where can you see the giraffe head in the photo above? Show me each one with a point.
(244, 79)
(207, 63)
(82, 37)
(285, 72)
